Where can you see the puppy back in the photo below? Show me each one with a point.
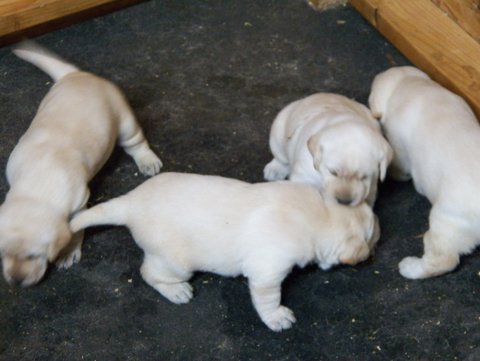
(45, 60)
(385, 83)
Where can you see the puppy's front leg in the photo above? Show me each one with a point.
(72, 253)
(266, 299)
(276, 170)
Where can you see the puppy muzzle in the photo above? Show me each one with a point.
(24, 274)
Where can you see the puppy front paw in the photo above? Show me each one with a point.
(148, 163)
(67, 260)
(176, 292)
(412, 268)
(275, 170)
(280, 319)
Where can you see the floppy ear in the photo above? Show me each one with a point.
(385, 158)
(315, 150)
(60, 242)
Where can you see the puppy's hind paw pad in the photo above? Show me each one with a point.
(275, 170)
(148, 163)
(177, 292)
(412, 268)
(70, 259)
(281, 319)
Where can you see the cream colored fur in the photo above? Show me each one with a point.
(186, 223)
(332, 143)
(68, 141)
(436, 139)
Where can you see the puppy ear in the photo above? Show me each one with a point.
(60, 242)
(355, 251)
(385, 158)
(315, 150)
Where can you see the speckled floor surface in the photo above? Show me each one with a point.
(206, 79)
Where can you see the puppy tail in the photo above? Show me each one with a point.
(50, 63)
(111, 212)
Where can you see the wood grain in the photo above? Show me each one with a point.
(465, 13)
(32, 17)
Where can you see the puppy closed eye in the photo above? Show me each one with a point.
(333, 172)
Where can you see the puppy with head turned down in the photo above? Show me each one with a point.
(186, 223)
(68, 141)
(332, 143)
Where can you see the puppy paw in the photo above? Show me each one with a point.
(412, 268)
(176, 292)
(280, 319)
(67, 261)
(148, 163)
(275, 170)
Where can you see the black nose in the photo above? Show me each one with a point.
(344, 201)
(16, 280)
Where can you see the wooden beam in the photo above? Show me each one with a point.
(20, 18)
(465, 13)
(431, 40)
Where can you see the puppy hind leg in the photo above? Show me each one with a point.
(172, 284)
(440, 257)
(266, 300)
(133, 141)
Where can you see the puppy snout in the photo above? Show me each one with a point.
(23, 273)
(15, 280)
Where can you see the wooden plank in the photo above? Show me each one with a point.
(434, 43)
(30, 17)
(465, 13)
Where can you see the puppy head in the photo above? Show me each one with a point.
(385, 83)
(30, 237)
(364, 234)
(350, 158)
(353, 235)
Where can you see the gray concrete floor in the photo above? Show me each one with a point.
(206, 79)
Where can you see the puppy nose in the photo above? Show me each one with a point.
(345, 201)
(16, 280)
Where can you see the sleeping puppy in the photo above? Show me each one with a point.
(186, 223)
(436, 139)
(332, 143)
(70, 138)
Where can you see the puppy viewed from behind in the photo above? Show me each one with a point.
(70, 138)
(186, 223)
(331, 142)
(436, 139)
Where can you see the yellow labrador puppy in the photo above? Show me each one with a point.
(332, 143)
(70, 138)
(186, 223)
(436, 139)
